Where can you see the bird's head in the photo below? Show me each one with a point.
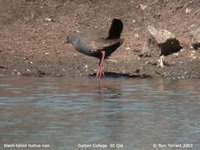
(72, 39)
(69, 39)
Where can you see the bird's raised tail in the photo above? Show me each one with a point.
(115, 29)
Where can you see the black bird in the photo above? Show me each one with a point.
(99, 44)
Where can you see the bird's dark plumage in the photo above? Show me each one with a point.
(115, 29)
(97, 43)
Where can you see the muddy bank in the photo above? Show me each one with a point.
(33, 32)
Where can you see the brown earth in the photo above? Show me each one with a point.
(33, 32)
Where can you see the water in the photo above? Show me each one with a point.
(73, 114)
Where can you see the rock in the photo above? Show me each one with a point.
(196, 38)
(160, 42)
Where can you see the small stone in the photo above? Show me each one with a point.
(182, 50)
(176, 54)
(136, 35)
(49, 19)
(142, 6)
(77, 31)
(187, 10)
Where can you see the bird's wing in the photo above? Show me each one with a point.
(102, 44)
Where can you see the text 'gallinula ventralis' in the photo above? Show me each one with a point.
(99, 44)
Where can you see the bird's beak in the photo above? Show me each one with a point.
(65, 43)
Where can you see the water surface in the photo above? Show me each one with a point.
(72, 114)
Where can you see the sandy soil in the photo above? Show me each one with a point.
(33, 32)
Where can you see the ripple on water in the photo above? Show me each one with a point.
(64, 112)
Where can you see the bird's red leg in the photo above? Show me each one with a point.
(102, 65)
(100, 71)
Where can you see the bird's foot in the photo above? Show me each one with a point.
(100, 73)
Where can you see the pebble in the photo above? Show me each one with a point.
(193, 55)
(182, 50)
(48, 19)
(77, 31)
(86, 67)
(176, 54)
(187, 10)
(142, 6)
(136, 35)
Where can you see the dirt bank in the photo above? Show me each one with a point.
(32, 35)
